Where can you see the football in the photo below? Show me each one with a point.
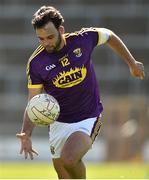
(43, 109)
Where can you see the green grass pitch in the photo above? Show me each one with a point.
(30, 170)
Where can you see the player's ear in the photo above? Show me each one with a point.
(61, 29)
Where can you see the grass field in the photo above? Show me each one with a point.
(38, 170)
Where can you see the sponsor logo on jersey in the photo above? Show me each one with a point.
(70, 78)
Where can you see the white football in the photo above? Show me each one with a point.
(43, 109)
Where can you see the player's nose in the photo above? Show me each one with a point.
(46, 43)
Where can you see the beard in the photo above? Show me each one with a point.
(56, 47)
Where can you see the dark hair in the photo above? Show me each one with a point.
(47, 14)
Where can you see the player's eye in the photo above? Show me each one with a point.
(50, 37)
(41, 39)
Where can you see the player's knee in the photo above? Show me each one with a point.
(69, 161)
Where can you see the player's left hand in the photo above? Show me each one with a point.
(137, 70)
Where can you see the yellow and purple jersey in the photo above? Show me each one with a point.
(69, 75)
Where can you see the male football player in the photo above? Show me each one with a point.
(62, 67)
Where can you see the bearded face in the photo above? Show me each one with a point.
(50, 37)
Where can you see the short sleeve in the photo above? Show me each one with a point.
(34, 79)
(103, 35)
(96, 36)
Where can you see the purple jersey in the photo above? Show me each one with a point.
(69, 75)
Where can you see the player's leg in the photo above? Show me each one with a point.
(60, 169)
(63, 173)
(69, 143)
(74, 149)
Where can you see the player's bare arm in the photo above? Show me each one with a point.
(26, 132)
(136, 67)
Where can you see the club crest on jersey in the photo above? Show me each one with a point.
(70, 78)
(77, 52)
(52, 148)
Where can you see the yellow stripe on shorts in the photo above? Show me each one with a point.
(95, 129)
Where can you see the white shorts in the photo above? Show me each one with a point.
(59, 133)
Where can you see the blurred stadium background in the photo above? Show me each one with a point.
(125, 132)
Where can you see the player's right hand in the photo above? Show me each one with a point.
(26, 146)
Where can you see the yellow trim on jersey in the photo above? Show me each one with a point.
(39, 49)
(76, 33)
(64, 38)
(99, 38)
(32, 86)
(35, 53)
(91, 29)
